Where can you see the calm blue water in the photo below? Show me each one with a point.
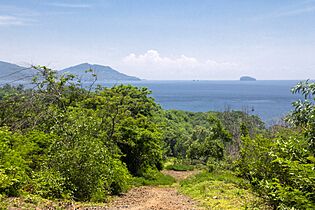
(270, 100)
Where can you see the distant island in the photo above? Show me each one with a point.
(247, 78)
(11, 72)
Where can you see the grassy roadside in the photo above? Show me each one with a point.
(179, 167)
(152, 179)
(182, 165)
(30, 201)
(215, 190)
(221, 190)
(34, 202)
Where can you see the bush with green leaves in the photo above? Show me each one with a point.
(13, 166)
(77, 143)
(126, 119)
(238, 124)
(196, 136)
(21, 155)
(208, 142)
(303, 115)
(280, 168)
(49, 183)
(281, 165)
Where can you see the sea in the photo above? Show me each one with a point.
(271, 100)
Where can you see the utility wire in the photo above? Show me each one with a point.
(20, 70)
(16, 80)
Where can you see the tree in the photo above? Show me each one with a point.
(303, 115)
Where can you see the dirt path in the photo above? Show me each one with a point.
(141, 198)
(153, 198)
(156, 198)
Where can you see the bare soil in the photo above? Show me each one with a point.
(153, 198)
(140, 198)
(156, 198)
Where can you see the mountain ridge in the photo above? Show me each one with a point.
(104, 73)
(10, 72)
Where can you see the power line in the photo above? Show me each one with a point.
(20, 70)
(16, 80)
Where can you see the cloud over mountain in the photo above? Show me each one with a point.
(153, 61)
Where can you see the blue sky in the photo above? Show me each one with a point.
(174, 39)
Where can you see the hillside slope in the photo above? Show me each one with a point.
(11, 72)
(104, 73)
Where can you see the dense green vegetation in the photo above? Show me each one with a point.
(59, 140)
(206, 136)
(280, 164)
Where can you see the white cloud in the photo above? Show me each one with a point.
(16, 16)
(153, 57)
(6, 20)
(152, 65)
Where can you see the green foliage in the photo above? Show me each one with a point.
(209, 135)
(49, 184)
(303, 115)
(281, 165)
(208, 143)
(220, 175)
(13, 166)
(280, 169)
(239, 124)
(177, 131)
(127, 121)
(63, 141)
(9, 90)
(197, 136)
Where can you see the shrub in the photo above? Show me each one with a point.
(280, 168)
(49, 183)
(13, 167)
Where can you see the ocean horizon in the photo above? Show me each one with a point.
(271, 100)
